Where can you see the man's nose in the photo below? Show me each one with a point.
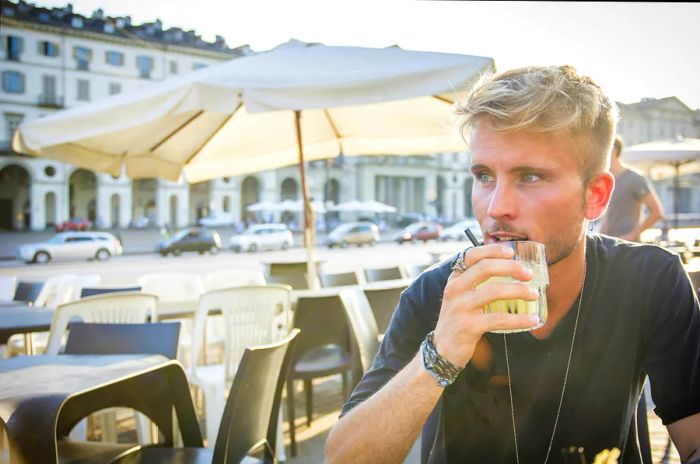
(503, 202)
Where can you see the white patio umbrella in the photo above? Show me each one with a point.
(260, 206)
(297, 206)
(666, 158)
(294, 103)
(370, 206)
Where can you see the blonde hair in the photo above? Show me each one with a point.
(552, 99)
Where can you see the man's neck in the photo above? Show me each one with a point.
(616, 167)
(565, 278)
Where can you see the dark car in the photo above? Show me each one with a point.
(193, 239)
(423, 230)
(74, 224)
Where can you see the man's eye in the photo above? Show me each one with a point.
(529, 178)
(483, 177)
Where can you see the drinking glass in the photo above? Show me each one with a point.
(531, 255)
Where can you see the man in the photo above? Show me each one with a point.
(540, 139)
(632, 190)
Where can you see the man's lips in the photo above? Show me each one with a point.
(495, 237)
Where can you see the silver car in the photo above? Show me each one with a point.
(69, 245)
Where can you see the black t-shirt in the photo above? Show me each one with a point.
(639, 317)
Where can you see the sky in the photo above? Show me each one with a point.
(633, 50)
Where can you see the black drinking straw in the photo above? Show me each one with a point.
(471, 236)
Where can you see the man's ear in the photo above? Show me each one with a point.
(598, 193)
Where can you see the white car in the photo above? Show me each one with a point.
(263, 237)
(456, 231)
(67, 245)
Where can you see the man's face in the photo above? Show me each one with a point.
(527, 186)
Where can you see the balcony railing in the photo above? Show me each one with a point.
(50, 101)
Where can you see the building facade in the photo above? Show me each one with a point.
(658, 119)
(53, 59)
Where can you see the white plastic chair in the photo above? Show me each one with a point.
(116, 308)
(56, 291)
(75, 285)
(175, 290)
(253, 315)
(227, 278)
(8, 284)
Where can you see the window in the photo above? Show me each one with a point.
(48, 87)
(115, 88)
(114, 58)
(82, 57)
(197, 66)
(12, 82)
(14, 47)
(108, 28)
(47, 48)
(145, 65)
(76, 22)
(83, 90)
(172, 67)
(12, 122)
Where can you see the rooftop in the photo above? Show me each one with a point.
(114, 26)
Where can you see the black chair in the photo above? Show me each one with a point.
(90, 338)
(377, 275)
(383, 302)
(249, 423)
(156, 338)
(297, 281)
(28, 291)
(338, 280)
(324, 348)
(92, 291)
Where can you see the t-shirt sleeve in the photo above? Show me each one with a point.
(672, 355)
(415, 316)
(641, 187)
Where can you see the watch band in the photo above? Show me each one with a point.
(442, 370)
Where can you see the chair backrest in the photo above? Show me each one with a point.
(148, 338)
(414, 270)
(56, 291)
(28, 291)
(250, 417)
(338, 280)
(113, 308)
(253, 315)
(364, 328)
(227, 278)
(76, 284)
(323, 321)
(297, 281)
(383, 302)
(388, 273)
(93, 291)
(172, 286)
(8, 285)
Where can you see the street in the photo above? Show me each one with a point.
(125, 270)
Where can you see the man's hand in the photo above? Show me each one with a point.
(462, 320)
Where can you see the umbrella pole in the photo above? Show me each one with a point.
(676, 195)
(309, 224)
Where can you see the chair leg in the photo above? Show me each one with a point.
(290, 416)
(309, 392)
(281, 454)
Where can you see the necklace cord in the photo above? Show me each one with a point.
(563, 388)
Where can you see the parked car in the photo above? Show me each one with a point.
(191, 239)
(423, 230)
(353, 233)
(263, 237)
(78, 224)
(217, 220)
(67, 245)
(456, 230)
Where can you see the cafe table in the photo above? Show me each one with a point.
(19, 318)
(43, 397)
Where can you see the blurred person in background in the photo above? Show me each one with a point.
(623, 219)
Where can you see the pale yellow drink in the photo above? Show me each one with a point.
(536, 262)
